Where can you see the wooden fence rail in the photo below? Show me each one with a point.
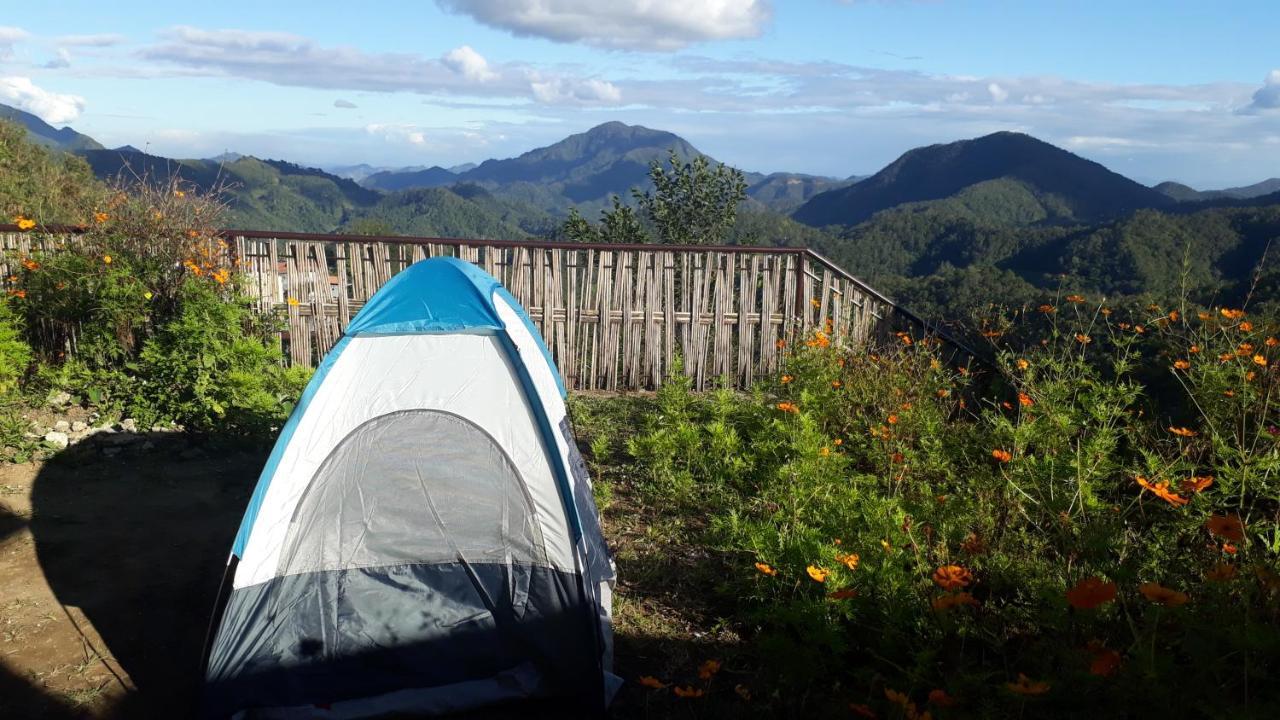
(615, 317)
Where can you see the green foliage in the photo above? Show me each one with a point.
(41, 184)
(1116, 449)
(15, 353)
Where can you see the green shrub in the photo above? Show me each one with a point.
(886, 525)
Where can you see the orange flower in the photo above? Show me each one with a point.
(101, 217)
(991, 333)
(1183, 432)
(952, 577)
(815, 302)
(1006, 405)
(179, 193)
(1022, 364)
(1090, 593)
(788, 407)
(1246, 326)
(836, 383)
(221, 276)
(896, 697)
(892, 419)
(1027, 686)
(1106, 312)
(837, 442)
(1139, 329)
(1161, 595)
(1227, 527)
(1193, 349)
(1229, 393)
(766, 569)
(1222, 572)
(1197, 483)
(940, 698)
(1174, 315)
(818, 574)
(1046, 309)
(1181, 365)
(18, 293)
(651, 682)
(1229, 549)
(780, 344)
(1259, 360)
(1232, 314)
(1075, 299)
(897, 458)
(687, 692)
(825, 451)
(1226, 357)
(850, 560)
(30, 264)
(786, 379)
(1001, 455)
(1105, 663)
(1025, 400)
(1244, 349)
(844, 594)
(1162, 491)
(1083, 339)
(943, 603)
(1272, 342)
(708, 669)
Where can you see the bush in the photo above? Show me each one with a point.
(1057, 536)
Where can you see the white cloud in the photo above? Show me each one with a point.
(296, 61)
(560, 91)
(1268, 96)
(469, 63)
(398, 133)
(62, 59)
(663, 25)
(997, 93)
(53, 108)
(10, 36)
(344, 104)
(98, 40)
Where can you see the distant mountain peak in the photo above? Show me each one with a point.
(42, 133)
(1084, 189)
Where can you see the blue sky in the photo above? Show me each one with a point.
(1174, 89)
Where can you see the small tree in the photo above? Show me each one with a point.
(692, 203)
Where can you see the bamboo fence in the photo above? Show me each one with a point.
(615, 317)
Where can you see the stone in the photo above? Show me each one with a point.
(57, 439)
(129, 425)
(79, 426)
(62, 426)
(58, 399)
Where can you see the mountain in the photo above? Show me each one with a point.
(392, 180)
(784, 192)
(261, 194)
(435, 212)
(1070, 187)
(1184, 193)
(582, 170)
(42, 133)
(459, 169)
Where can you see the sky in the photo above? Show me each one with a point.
(1164, 90)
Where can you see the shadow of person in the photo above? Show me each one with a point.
(137, 539)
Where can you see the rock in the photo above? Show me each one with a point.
(129, 425)
(57, 439)
(62, 426)
(79, 426)
(58, 399)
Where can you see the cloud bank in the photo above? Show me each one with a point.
(53, 108)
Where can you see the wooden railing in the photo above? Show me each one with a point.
(615, 317)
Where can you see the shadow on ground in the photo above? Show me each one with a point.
(138, 541)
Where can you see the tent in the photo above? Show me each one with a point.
(423, 538)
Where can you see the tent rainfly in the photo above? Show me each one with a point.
(423, 539)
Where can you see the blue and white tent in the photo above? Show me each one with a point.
(423, 538)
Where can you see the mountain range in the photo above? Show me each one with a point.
(1005, 215)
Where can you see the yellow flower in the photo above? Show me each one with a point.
(179, 193)
(293, 301)
(766, 569)
(817, 573)
(850, 561)
(1022, 364)
(101, 217)
(786, 379)
(147, 295)
(106, 259)
(24, 223)
(825, 451)
(1259, 360)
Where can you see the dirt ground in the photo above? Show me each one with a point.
(109, 566)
